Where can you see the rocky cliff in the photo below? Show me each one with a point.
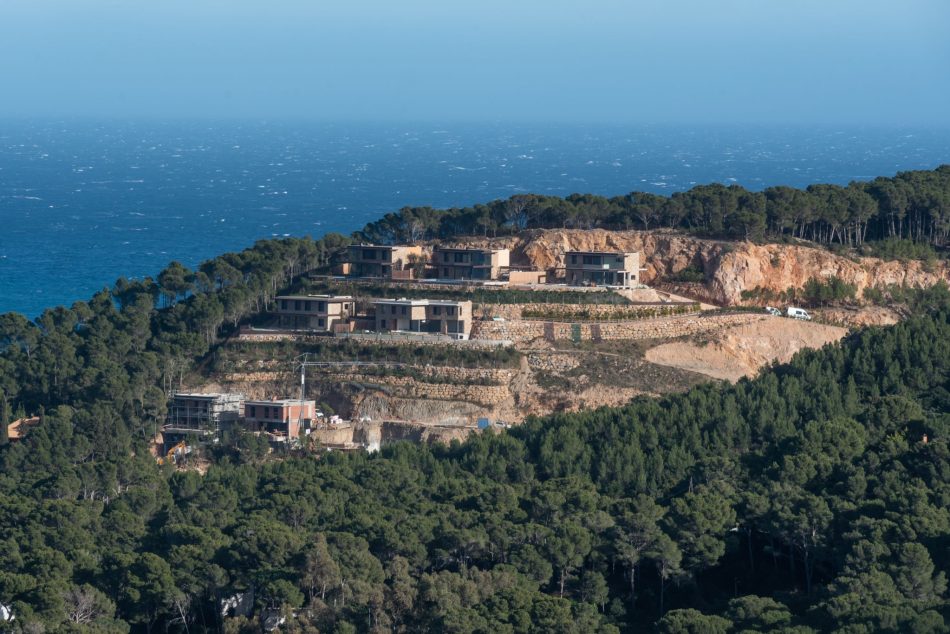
(729, 267)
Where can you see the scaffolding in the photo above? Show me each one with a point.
(202, 414)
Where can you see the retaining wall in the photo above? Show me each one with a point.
(596, 311)
(408, 387)
(661, 328)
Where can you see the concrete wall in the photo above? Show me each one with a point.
(527, 277)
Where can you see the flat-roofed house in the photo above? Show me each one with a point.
(452, 318)
(386, 262)
(200, 415)
(283, 419)
(314, 312)
(602, 268)
(469, 264)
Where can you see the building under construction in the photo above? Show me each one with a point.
(200, 416)
(284, 420)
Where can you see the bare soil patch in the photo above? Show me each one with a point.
(743, 350)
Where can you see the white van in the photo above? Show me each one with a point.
(798, 313)
(773, 311)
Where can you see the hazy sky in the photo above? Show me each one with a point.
(866, 61)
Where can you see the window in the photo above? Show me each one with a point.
(436, 310)
(450, 311)
(253, 411)
(321, 322)
(403, 310)
(445, 272)
(321, 307)
(306, 306)
(369, 254)
(445, 257)
(573, 259)
(297, 305)
(283, 304)
(459, 257)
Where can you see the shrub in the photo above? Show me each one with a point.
(900, 249)
(817, 292)
(691, 274)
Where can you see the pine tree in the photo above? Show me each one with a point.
(5, 419)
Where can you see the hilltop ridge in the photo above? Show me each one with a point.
(728, 267)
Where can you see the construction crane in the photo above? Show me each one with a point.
(303, 362)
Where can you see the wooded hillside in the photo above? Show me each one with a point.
(813, 498)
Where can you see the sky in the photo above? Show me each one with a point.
(869, 62)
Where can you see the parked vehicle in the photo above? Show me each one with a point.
(773, 311)
(798, 313)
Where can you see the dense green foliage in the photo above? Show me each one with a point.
(823, 291)
(818, 292)
(115, 357)
(913, 206)
(900, 249)
(816, 497)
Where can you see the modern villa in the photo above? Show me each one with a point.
(469, 264)
(386, 262)
(452, 318)
(602, 268)
(314, 312)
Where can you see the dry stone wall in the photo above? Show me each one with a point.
(596, 311)
(258, 336)
(408, 387)
(556, 362)
(443, 374)
(665, 328)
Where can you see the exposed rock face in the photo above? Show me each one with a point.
(778, 267)
(730, 267)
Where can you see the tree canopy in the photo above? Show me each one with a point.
(912, 206)
(813, 498)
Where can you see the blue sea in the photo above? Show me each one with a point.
(84, 202)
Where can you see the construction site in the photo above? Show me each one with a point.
(377, 352)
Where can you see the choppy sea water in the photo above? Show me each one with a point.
(82, 203)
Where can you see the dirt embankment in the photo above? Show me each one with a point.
(729, 267)
(743, 350)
